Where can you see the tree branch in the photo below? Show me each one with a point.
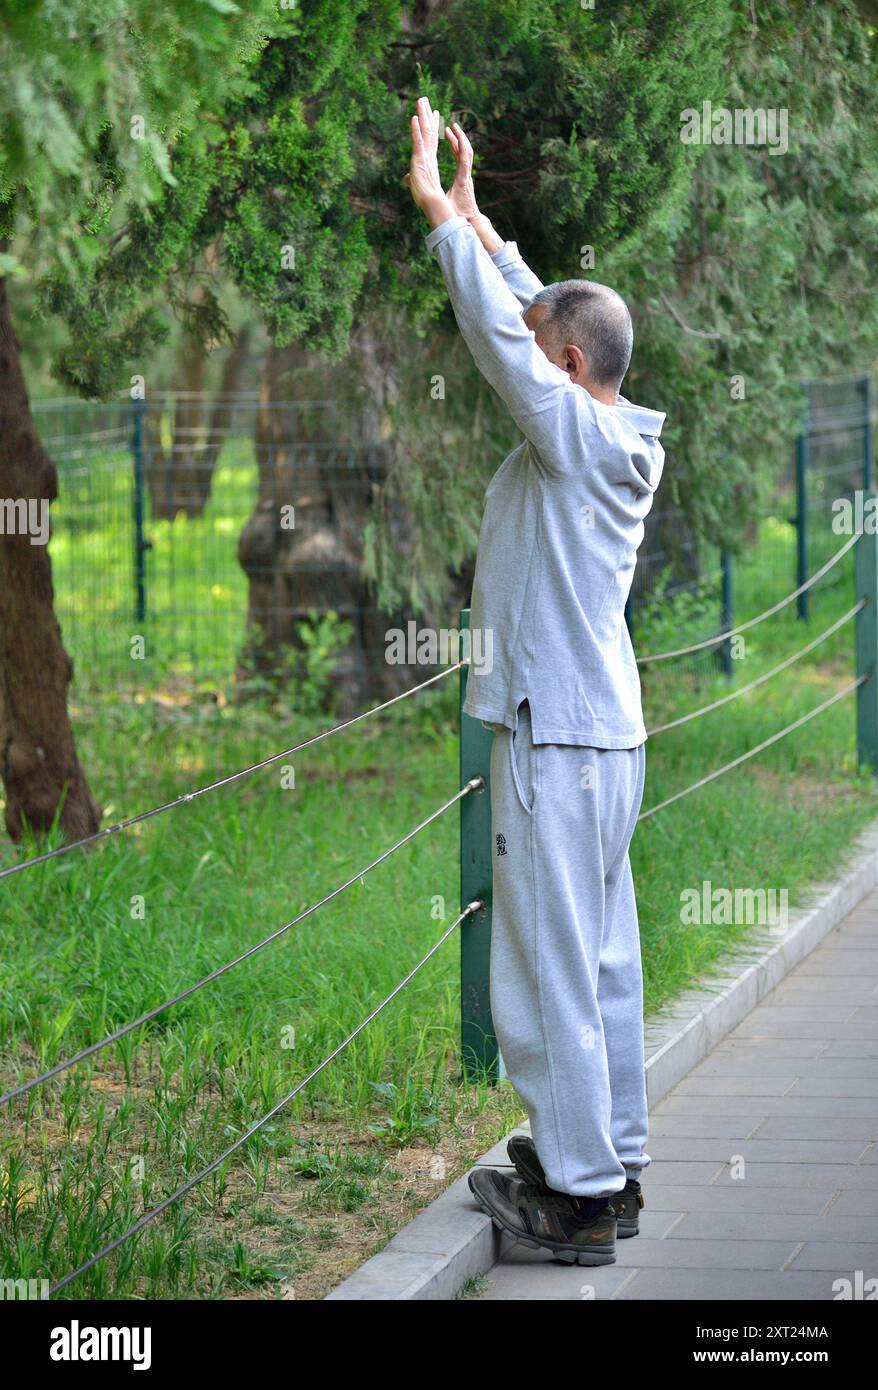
(679, 321)
(117, 236)
(386, 211)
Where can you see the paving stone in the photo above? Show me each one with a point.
(704, 1254)
(670, 1174)
(841, 1258)
(835, 961)
(745, 1198)
(866, 911)
(798, 1048)
(768, 1031)
(724, 1285)
(865, 939)
(819, 1107)
(831, 1127)
(836, 1086)
(827, 1032)
(758, 1150)
(798, 1175)
(709, 1127)
(698, 1085)
(537, 1276)
(828, 1227)
(811, 989)
(856, 1203)
(853, 1047)
(805, 1013)
(831, 985)
(735, 1064)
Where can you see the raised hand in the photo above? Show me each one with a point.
(462, 194)
(422, 179)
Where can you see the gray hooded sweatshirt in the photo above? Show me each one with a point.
(562, 523)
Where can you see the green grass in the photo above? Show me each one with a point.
(92, 939)
(196, 591)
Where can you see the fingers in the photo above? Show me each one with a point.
(421, 119)
(428, 120)
(463, 150)
(464, 141)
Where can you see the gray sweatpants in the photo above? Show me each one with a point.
(566, 977)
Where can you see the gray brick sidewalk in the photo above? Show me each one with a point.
(764, 1179)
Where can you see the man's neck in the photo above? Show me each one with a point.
(605, 394)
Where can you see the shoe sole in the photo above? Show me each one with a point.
(567, 1254)
(625, 1226)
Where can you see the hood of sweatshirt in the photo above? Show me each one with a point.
(646, 422)
(648, 459)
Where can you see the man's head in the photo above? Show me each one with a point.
(585, 329)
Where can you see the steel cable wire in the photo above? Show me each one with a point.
(187, 1186)
(711, 776)
(69, 1062)
(223, 781)
(760, 617)
(760, 680)
(475, 782)
(306, 743)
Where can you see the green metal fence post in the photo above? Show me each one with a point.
(478, 1044)
(802, 522)
(140, 543)
(867, 434)
(867, 651)
(725, 614)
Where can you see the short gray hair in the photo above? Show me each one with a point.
(594, 318)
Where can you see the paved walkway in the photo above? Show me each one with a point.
(793, 1092)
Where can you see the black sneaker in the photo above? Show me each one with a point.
(545, 1220)
(626, 1204)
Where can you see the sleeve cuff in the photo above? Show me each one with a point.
(432, 239)
(508, 254)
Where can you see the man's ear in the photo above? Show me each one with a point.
(574, 361)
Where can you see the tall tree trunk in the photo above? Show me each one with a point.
(170, 476)
(156, 465)
(222, 419)
(181, 481)
(329, 464)
(38, 762)
(314, 566)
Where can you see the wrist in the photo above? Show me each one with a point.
(437, 209)
(484, 230)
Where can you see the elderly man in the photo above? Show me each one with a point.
(562, 524)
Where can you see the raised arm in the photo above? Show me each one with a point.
(517, 274)
(557, 416)
(462, 196)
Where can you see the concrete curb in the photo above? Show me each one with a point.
(451, 1241)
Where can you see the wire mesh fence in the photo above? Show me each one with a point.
(833, 466)
(678, 575)
(699, 588)
(193, 538)
(204, 540)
